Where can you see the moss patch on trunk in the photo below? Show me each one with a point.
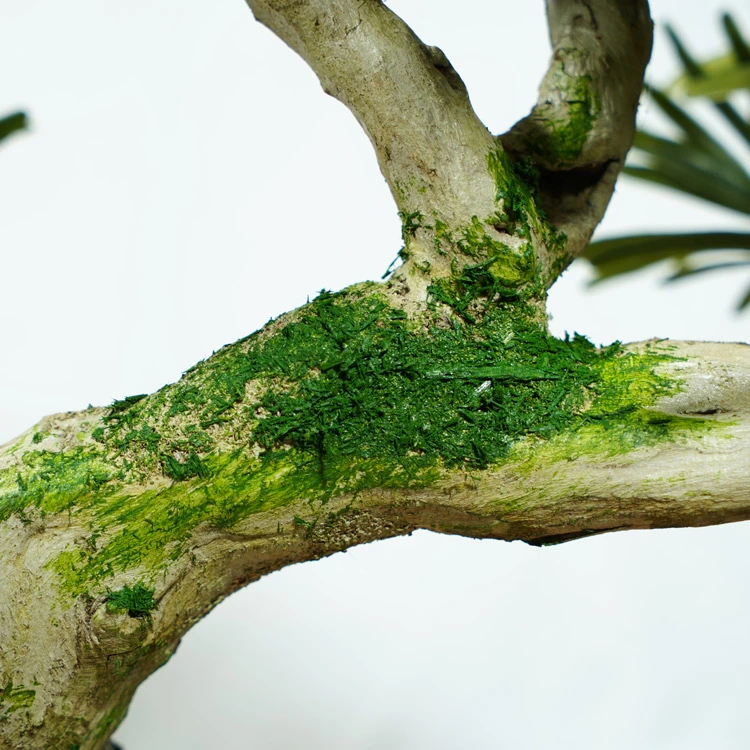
(344, 395)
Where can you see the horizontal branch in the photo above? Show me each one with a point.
(437, 400)
(340, 423)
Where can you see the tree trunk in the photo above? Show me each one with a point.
(436, 399)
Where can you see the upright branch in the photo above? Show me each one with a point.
(583, 124)
(431, 147)
(461, 199)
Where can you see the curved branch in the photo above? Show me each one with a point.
(583, 123)
(436, 155)
(122, 527)
(430, 145)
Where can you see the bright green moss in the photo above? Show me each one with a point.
(155, 525)
(53, 481)
(609, 437)
(517, 186)
(511, 268)
(477, 249)
(484, 268)
(517, 190)
(630, 382)
(567, 140)
(474, 287)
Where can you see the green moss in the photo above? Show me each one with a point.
(53, 481)
(620, 436)
(563, 137)
(499, 271)
(567, 140)
(410, 222)
(119, 408)
(14, 698)
(39, 436)
(347, 395)
(153, 527)
(359, 365)
(137, 601)
(442, 235)
(191, 466)
(511, 269)
(474, 287)
(517, 191)
(517, 188)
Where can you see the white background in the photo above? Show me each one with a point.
(184, 180)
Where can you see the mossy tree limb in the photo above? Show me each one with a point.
(435, 400)
(489, 429)
(583, 124)
(433, 149)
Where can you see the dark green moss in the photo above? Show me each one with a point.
(119, 408)
(184, 400)
(410, 222)
(460, 395)
(137, 601)
(191, 466)
(488, 282)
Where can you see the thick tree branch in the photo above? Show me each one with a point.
(437, 400)
(122, 527)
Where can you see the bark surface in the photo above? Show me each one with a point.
(434, 400)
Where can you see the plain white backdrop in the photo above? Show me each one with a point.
(185, 179)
